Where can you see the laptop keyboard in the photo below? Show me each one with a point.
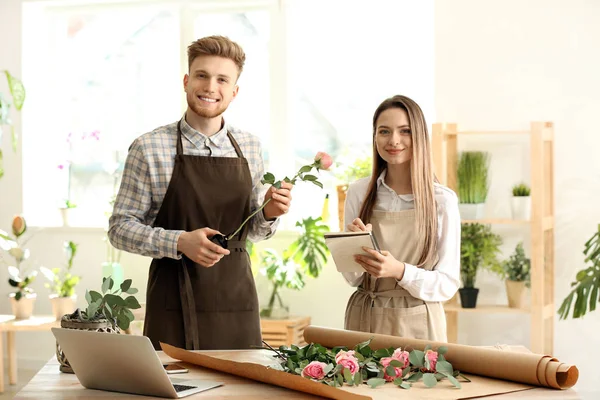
(181, 388)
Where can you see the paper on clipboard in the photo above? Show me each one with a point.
(344, 245)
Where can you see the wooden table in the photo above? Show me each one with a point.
(10, 325)
(50, 383)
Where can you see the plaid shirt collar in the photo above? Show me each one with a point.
(200, 140)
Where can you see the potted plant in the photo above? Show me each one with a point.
(107, 312)
(516, 272)
(479, 248)
(305, 256)
(17, 92)
(23, 300)
(360, 167)
(62, 284)
(521, 202)
(65, 210)
(473, 185)
(587, 282)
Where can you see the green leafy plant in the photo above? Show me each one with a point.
(305, 256)
(472, 177)
(587, 282)
(66, 204)
(518, 267)
(17, 92)
(110, 304)
(362, 365)
(479, 248)
(521, 190)
(18, 276)
(361, 167)
(62, 282)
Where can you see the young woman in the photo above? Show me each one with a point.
(417, 224)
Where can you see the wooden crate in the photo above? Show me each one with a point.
(278, 332)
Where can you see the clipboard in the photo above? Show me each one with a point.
(344, 245)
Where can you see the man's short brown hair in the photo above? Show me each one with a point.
(220, 46)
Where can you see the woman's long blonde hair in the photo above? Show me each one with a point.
(422, 176)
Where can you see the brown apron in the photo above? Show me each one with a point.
(190, 306)
(382, 305)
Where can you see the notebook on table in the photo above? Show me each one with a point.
(344, 245)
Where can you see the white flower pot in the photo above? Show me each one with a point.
(62, 305)
(521, 207)
(471, 211)
(22, 308)
(64, 213)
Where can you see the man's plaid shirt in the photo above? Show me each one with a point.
(147, 174)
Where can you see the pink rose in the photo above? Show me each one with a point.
(314, 370)
(386, 363)
(348, 361)
(343, 353)
(401, 356)
(324, 160)
(432, 356)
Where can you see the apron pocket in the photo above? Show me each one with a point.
(404, 322)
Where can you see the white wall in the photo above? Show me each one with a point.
(500, 65)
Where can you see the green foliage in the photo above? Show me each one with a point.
(62, 282)
(479, 248)
(587, 282)
(521, 190)
(18, 276)
(305, 256)
(375, 367)
(472, 177)
(110, 304)
(17, 91)
(518, 267)
(362, 167)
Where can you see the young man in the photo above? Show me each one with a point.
(184, 183)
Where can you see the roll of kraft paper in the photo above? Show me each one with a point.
(528, 368)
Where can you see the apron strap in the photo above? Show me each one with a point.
(179, 145)
(238, 151)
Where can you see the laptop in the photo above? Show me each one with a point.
(122, 363)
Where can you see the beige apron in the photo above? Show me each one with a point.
(382, 305)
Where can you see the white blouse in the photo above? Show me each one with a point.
(439, 284)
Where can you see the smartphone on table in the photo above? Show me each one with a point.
(174, 369)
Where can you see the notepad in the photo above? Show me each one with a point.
(344, 245)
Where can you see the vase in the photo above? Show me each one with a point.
(516, 293)
(22, 308)
(471, 211)
(74, 321)
(64, 213)
(468, 297)
(521, 207)
(275, 312)
(62, 305)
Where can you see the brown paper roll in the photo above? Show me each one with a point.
(528, 368)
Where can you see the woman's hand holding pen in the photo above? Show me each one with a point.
(378, 265)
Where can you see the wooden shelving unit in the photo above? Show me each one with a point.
(541, 226)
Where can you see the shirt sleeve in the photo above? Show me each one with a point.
(127, 227)
(260, 228)
(441, 283)
(352, 205)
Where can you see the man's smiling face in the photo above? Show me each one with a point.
(211, 85)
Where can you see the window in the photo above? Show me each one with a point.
(102, 74)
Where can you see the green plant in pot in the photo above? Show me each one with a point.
(305, 256)
(517, 274)
(521, 202)
(479, 249)
(109, 311)
(473, 183)
(62, 283)
(586, 284)
(19, 276)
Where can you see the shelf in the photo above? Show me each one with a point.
(487, 309)
(488, 133)
(496, 221)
